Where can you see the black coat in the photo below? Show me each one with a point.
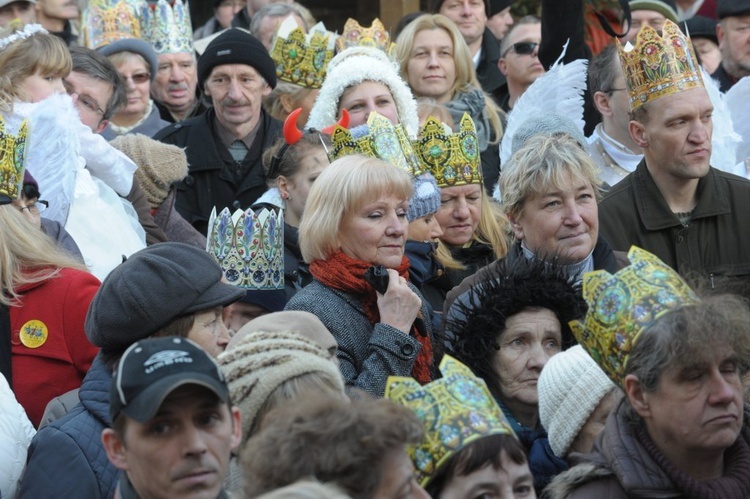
(214, 178)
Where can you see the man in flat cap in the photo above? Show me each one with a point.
(733, 32)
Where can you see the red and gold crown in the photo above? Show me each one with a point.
(302, 58)
(355, 35)
(659, 65)
(107, 21)
(452, 158)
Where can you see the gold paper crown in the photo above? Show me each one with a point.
(623, 305)
(378, 139)
(355, 35)
(452, 158)
(659, 65)
(106, 21)
(455, 410)
(12, 161)
(302, 59)
(249, 246)
(167, 28)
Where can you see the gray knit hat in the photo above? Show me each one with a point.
(426, 197)
(546, 124)
(258, 364)
(150, 289)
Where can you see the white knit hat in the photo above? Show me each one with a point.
(570, 388)
(353, 66)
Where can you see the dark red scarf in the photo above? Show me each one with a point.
(346, 274)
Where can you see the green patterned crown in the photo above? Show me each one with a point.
(623, 305)
(302, 58)
(249, 246)
(107, 21)
(167, 28)
(455, 410)
(378, 139)
(12, 161)
(452, 158)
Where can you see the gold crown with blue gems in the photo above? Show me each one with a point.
(455, 411)
(452, 158)
(167, 28)
(107, 21)
(659, 65)
(249, 247)
(302, 58)
(12, 161)
(623, 305)
(355, 35)
(378, 139)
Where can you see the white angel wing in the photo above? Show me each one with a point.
(737, 101)
(724, 140)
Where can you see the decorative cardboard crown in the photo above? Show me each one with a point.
(12, 161)
(659, 65)
(167, 28)
(452, 158)
(249, 246)
(623, 305)
(378, 139)
(302, 58)
(355, 35)
(455, 410)
(106, 21)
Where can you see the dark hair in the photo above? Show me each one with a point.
(505, 42)
(475, 456)
(518, 284)
(603, 69)
(283, 159)
(98, 66)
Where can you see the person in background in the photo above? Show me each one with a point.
(703, 34)
(500, 19)
(653, 13)
(519, 60)
(266, 21)
(224, 12)
(23, 10)
(733, 36)
(58, 17)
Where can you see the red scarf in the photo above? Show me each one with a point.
(344, 273)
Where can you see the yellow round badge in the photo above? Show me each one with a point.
(34, 333)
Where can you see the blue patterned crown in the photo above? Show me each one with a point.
(107, 21)
(167, 28)
(249, 246)
(455, 410)
(452, 158)
(12, 161)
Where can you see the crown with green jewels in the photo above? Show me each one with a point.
(249, 247)
(455, 411)
(302, 58)
(452, 158)
(378, 139)
(107, 21)
(167, 28)
(12, 161)
(623, 305)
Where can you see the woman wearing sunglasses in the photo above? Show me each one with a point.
(136, 63)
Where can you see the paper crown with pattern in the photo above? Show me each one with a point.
(249, 246)
(455, 410)
(12, 161)
(302, 58)
(379, 138)
(107, 21)
(659, 65)
(167, 28)
(623, 305)
(452, 158)
(355, 35)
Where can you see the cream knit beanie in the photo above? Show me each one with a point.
(159, 165)
(262, 361)
(570, 387)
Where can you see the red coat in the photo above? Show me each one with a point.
(50, 351)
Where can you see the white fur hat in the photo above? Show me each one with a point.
(570, 387)
(353, 66)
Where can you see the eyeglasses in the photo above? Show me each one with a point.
(36, 207)
(522, 48)
(613, 90)
(86, 101)
(138, 78)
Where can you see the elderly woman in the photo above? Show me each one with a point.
(437, 63)
(136, 63)
(506, 331)
(682, 428)
(355, 226)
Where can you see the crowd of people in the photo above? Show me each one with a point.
(479, 255)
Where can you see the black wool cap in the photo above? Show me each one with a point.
(236, 46)
(729, 8)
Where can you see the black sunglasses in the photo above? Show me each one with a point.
(522, 48)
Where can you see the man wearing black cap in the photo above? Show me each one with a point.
(174, 427)
(733, 32)
(224, 145)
